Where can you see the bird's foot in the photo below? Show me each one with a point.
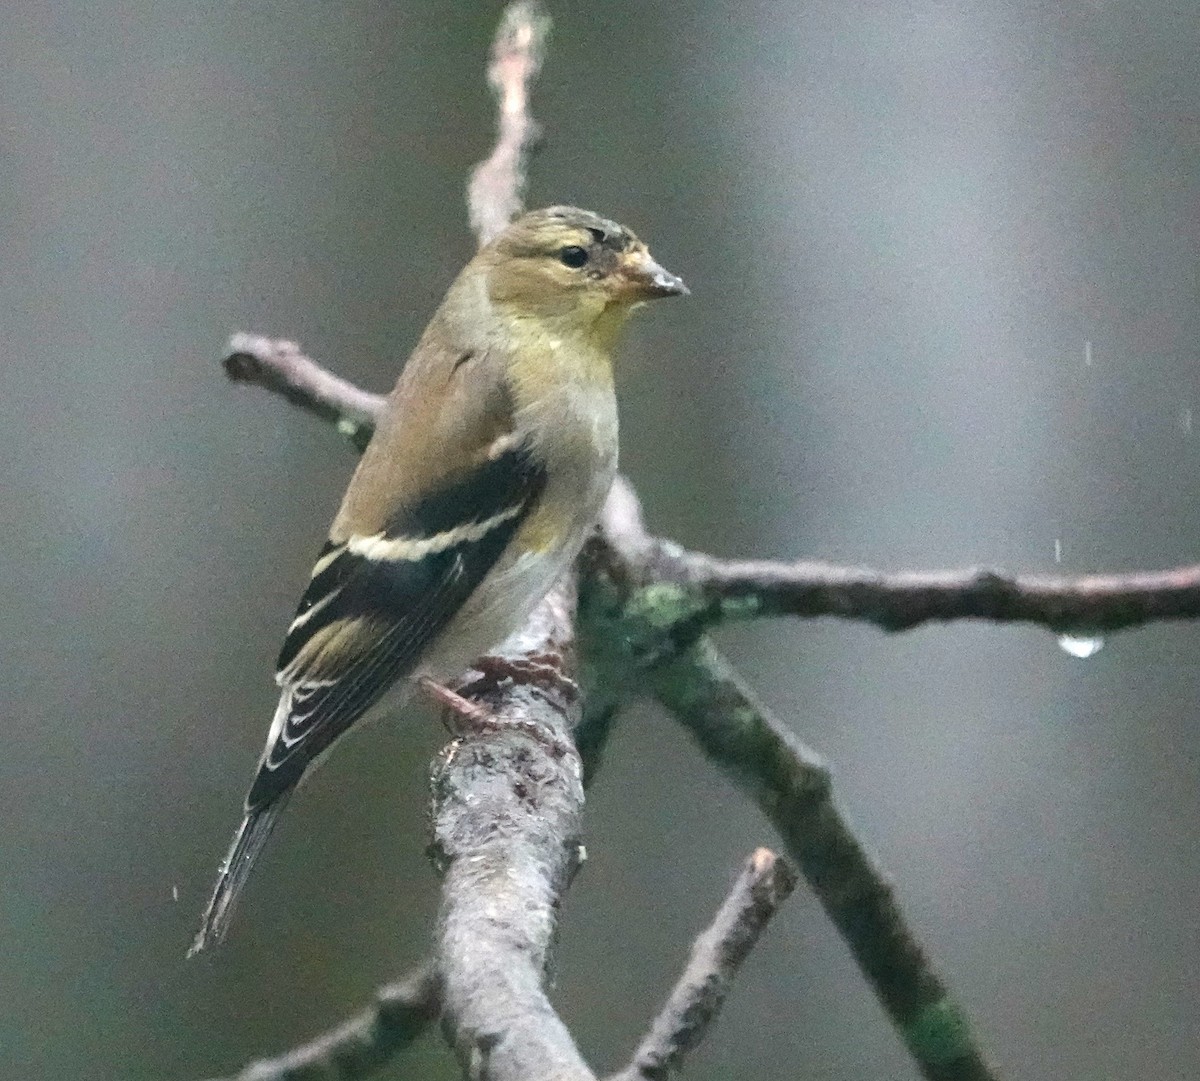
(463, 716)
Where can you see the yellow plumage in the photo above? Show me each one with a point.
(487, 470)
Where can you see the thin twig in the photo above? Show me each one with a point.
(279, 366)
(765, 883)
(718, 591)
(791, 786)
(495, 191)
(693, 592)
(400, 1013)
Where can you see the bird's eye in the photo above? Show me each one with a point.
(573, 255)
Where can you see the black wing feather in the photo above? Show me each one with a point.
(394, 607)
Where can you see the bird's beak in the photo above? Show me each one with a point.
(641, 278)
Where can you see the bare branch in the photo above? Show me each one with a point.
(497, 184)
(696, 592)
(764, 884)
(897, 602)
(791, 786)
(278, 365)
(623, 603)
(400, 1013)
(507, 805)
(507, 800)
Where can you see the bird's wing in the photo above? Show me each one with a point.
(377, 599)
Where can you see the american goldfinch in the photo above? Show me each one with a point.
(487, 470)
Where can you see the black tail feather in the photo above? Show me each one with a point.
(248, 842)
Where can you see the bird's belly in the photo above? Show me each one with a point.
(498, 608)
(545, 545)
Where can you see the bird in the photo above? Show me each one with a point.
(488, 468)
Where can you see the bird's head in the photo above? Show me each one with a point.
(567, 264)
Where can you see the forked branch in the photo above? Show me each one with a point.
(507, 800)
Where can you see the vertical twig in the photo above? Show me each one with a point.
(498, 183)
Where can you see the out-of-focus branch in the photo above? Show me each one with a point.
(791, 785)
(764, 884)
(694, 592)
(354, 1050)
(278, 365)
(497, 183)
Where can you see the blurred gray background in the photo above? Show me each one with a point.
(902, 225)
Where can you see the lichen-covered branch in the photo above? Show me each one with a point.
(507, 806)
(791, 786)
(624, 605)
(764, 884)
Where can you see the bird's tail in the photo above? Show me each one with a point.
(248, 842)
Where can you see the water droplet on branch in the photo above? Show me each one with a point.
(1080, 646)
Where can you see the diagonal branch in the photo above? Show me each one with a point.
(354, 1050)
(279, 366)
(622, 602)
(791, 786)
(764, 884)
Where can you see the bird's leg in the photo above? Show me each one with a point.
(478, 719)
(469, 713)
